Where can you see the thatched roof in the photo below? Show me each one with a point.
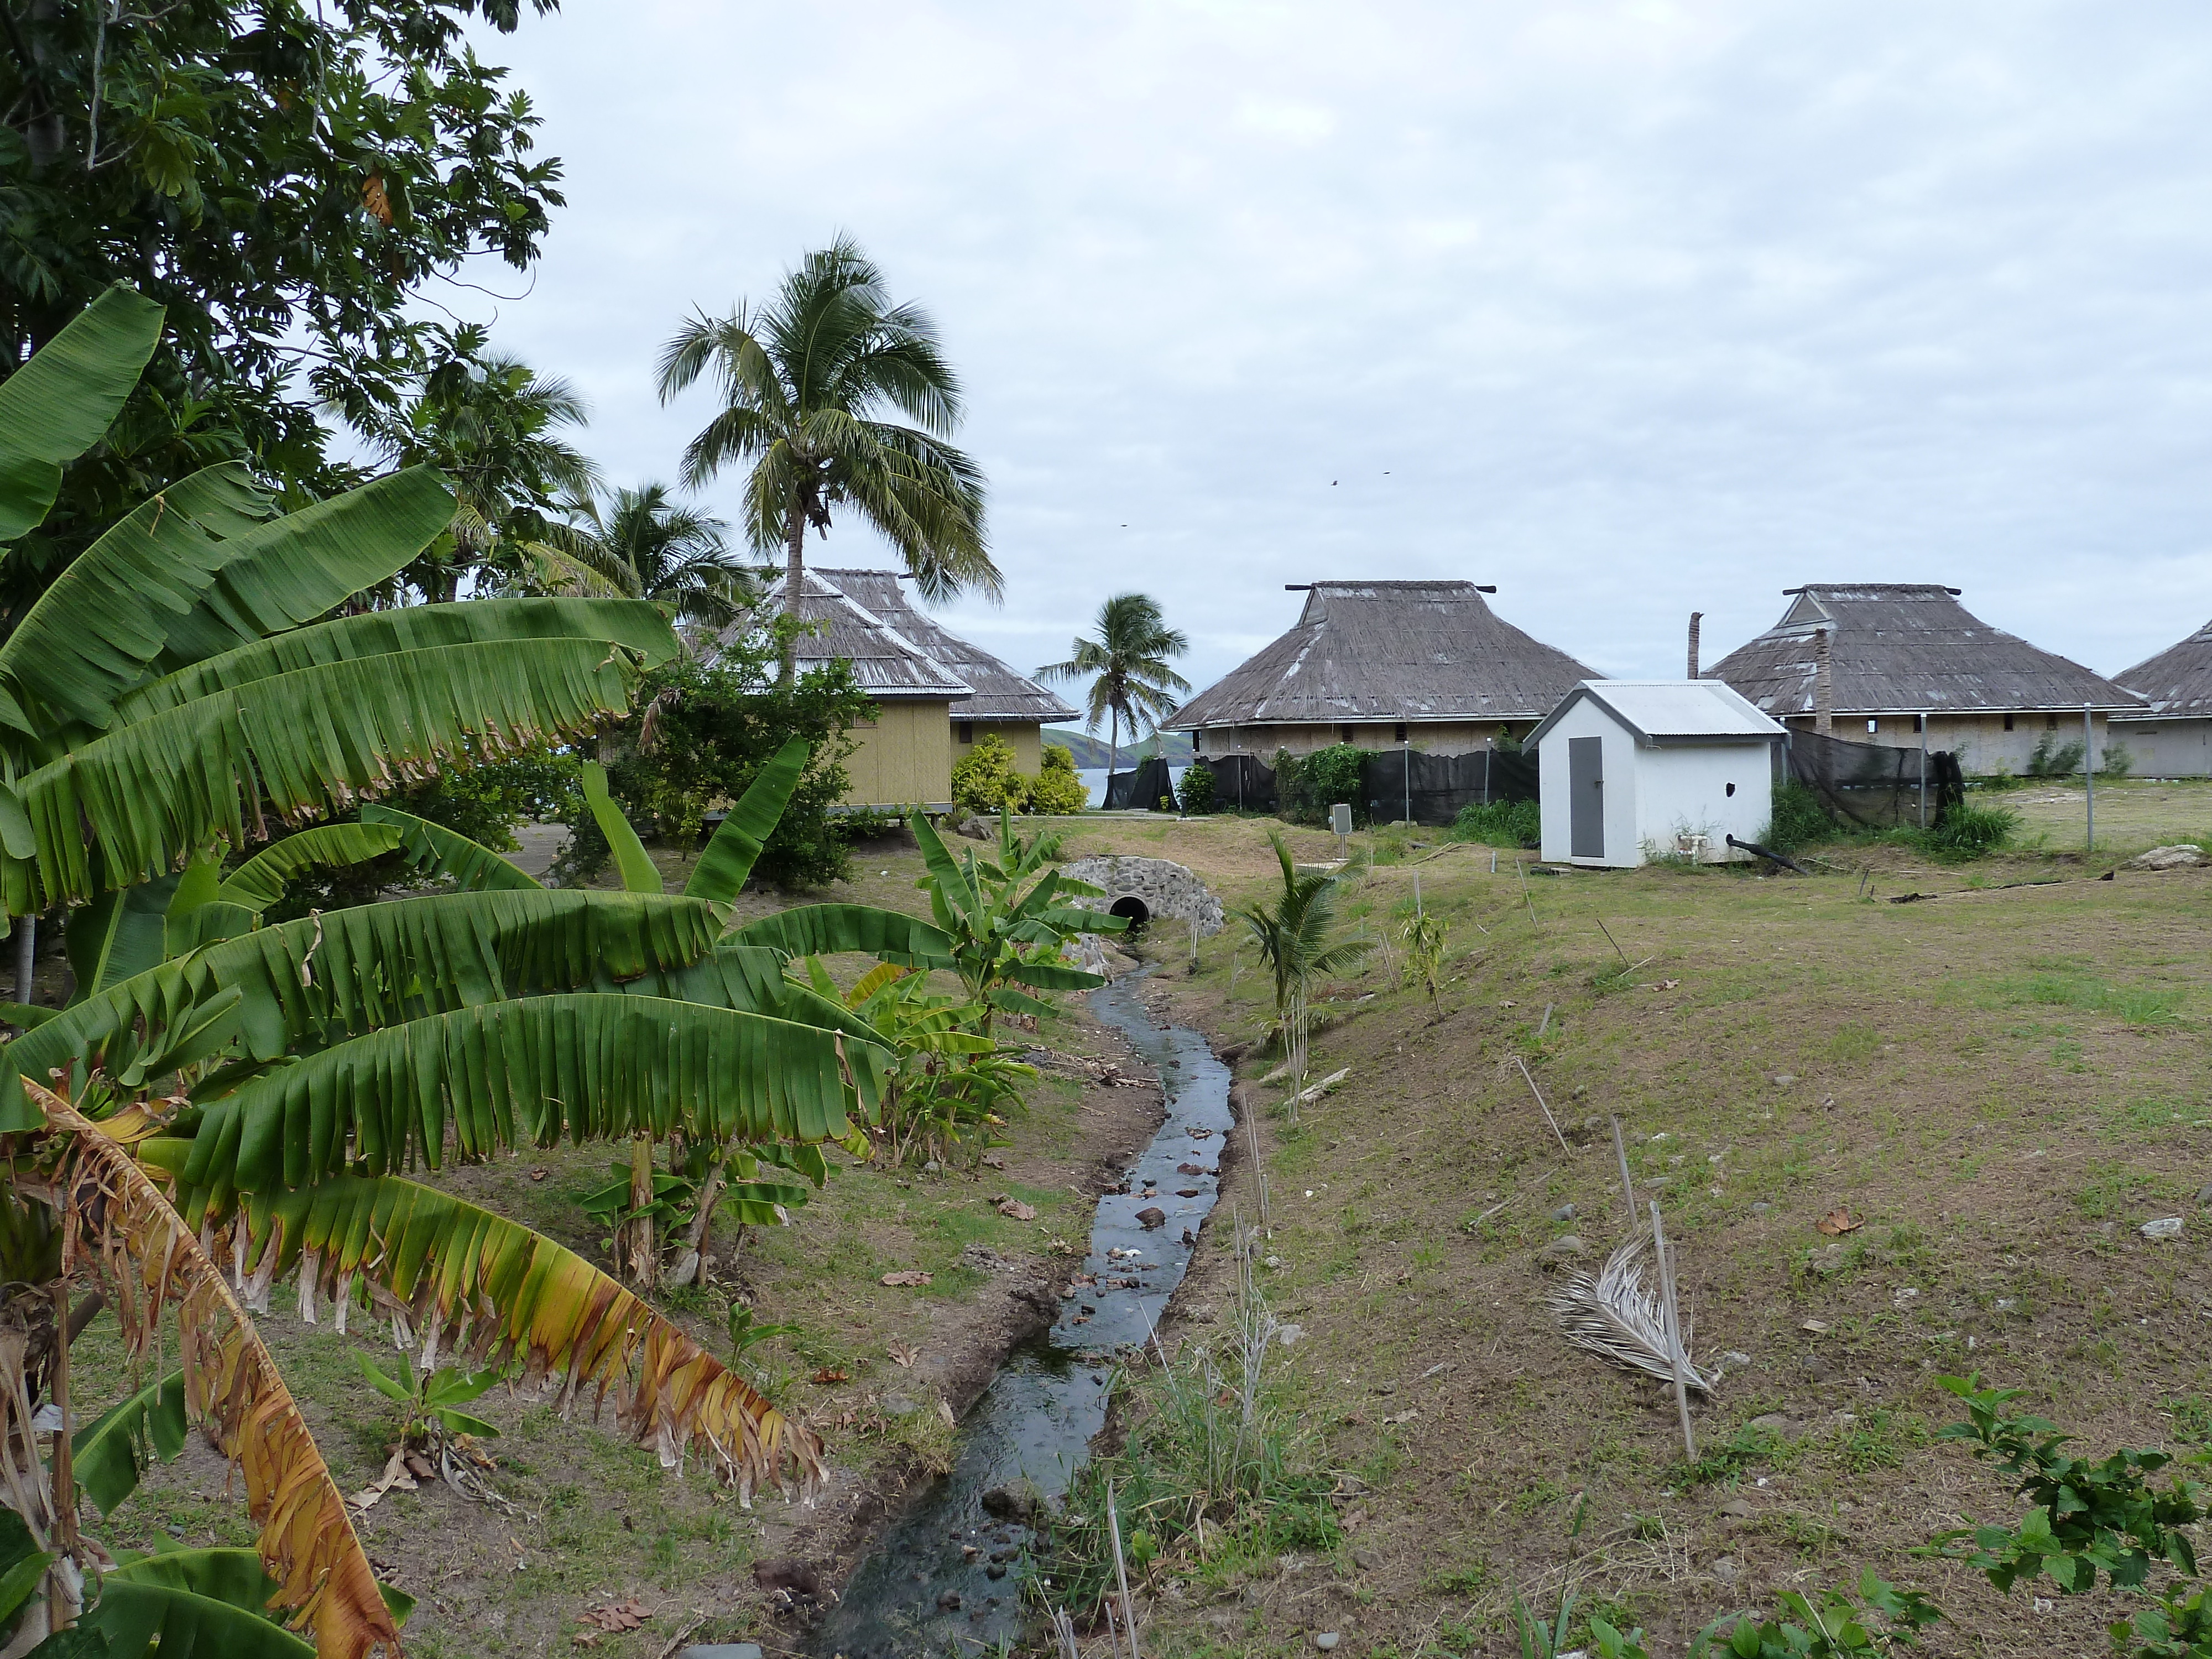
(2177, 681)
(1390, 651)
(1000, 693)
(1902, 648)
(887, 663)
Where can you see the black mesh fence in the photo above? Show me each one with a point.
(1872, 783)
(1440, 784)
(1143, 788)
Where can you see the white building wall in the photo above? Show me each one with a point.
(2178, 748)
(1653, 795)
(1684, 790)
(1586, 719)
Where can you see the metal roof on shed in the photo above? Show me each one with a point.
(1670, 711)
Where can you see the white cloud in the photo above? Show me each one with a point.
(1643, 308)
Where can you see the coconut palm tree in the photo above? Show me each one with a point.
(496, 428)
(807, 380)
(640, 544)
(1129, 658)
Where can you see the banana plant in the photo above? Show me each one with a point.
(1006, 918)
(257, 1098)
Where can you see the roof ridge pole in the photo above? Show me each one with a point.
(1824, 683)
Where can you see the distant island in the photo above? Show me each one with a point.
(1090, 751)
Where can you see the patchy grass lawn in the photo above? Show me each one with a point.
(2002, 1084)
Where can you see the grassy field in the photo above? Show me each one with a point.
(2003, 1082)
(2000, 1084)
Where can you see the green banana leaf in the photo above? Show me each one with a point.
(147, 794)
(638, 626)
(301, 984)
(111, 1454)
(433, 847)
(89, 638)
(813, 930)
(291, 570)
(639, 873)
(529, 1071)
(61, 402)
(261, 880)
(141, 1616)
(730, 856)
(119, 935)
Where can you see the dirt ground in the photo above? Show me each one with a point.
(2000, 1084)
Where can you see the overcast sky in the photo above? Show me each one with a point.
(1630, 308)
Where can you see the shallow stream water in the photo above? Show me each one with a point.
(921, 1592)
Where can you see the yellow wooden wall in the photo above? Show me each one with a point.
(1021, 737)
(906, 757)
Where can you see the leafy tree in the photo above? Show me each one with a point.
(1057, 789)
(806, 382)
(704, 732)
(286, 178)
(1126, 662)
(642, 544)
(986, 778)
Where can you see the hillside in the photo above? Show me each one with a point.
(1090, 751)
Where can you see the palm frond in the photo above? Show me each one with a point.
(151, 1260)
(1615, 1316)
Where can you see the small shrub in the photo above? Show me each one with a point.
(1501, 824)
(1799, 820)
(1057, 790)
(985, 779)
(1835, 1625)
(2055, 759)
(1197, 789)
(2117, 761)
(1967, 831)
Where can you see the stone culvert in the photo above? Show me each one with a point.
(1147, 890)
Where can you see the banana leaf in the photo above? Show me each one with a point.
(111, 1454)
(147, 794)
(639, 873)
(62, 401)
(491, 1077)
(467, 1278)
(432, 847)
(120, 935)
(261, 880)
(89, 638)
(730, 856)
(814, 930)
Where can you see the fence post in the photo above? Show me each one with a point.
(1924, 771)
(1405, 754)
(2089, 772)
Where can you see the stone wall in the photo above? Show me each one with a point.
(1166, 890)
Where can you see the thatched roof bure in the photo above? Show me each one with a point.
(886, 663)
(1414, 651)
(2179, 679)
(1000, 693)
(1906, 647)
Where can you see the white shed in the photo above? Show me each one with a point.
(1636, 769)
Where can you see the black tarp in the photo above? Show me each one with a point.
(1142, 787)
(1875, 783)
(1442, 784)
(1241, 783)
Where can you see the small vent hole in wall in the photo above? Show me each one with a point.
(1731, 789)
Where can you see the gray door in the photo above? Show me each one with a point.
(1586, 797)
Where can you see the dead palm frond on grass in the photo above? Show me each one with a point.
(1616, 1316)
